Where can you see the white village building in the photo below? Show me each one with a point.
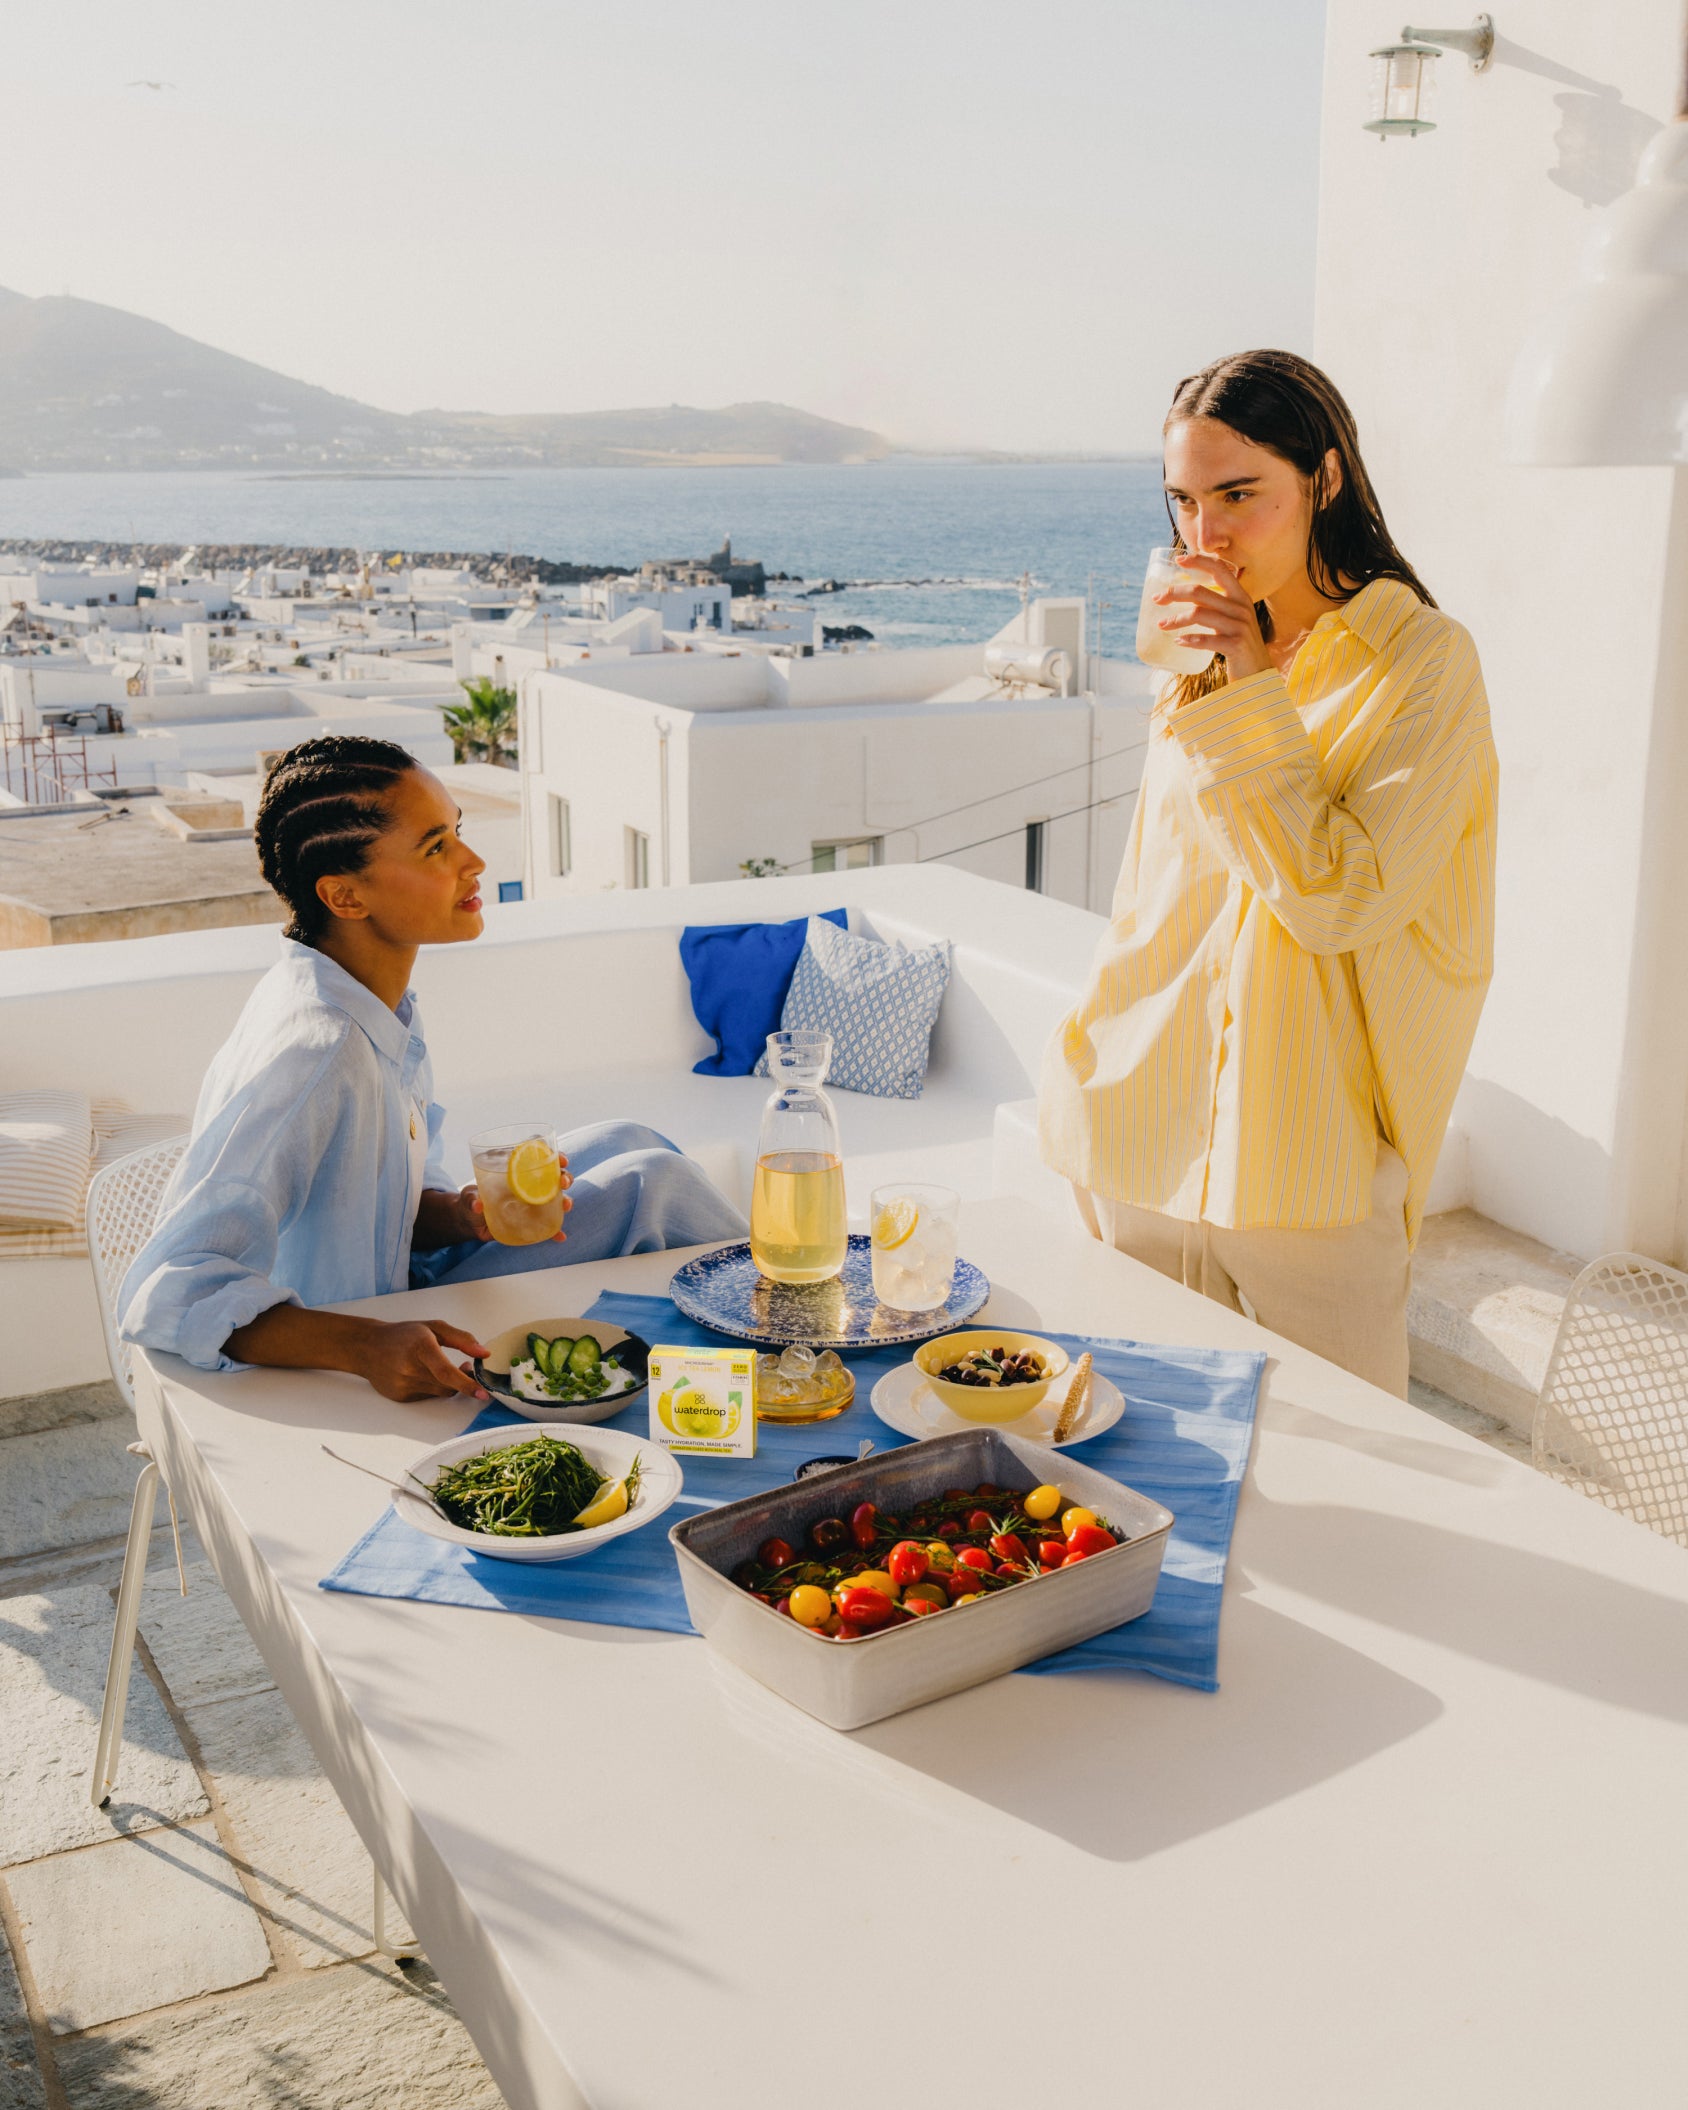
(1017, 760)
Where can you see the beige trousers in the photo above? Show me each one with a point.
(1343, 1294)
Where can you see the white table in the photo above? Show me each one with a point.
(1428, 1845)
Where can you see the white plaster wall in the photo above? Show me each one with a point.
(771, 784)
(1434, 256)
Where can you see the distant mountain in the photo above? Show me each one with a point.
(84, 386)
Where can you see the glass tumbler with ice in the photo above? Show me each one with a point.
(1157, 647)
(914, 1240)
(520, 1182)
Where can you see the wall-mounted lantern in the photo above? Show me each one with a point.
(1403, 80)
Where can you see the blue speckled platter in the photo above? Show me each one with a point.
(724, 1290)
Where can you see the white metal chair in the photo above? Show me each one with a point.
(122, 1207)
(1612, 1418)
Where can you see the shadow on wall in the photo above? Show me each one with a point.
(1532, 1172)
(1600, 139)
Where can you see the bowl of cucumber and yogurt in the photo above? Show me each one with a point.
(565, 1369)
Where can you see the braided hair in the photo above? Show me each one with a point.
(322, 809)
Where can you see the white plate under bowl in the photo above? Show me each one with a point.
(904, 1401)
(611, 1451)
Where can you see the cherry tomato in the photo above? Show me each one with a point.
(1052, 1552)
(927, 1592)
(761, 1597)
(1090, 1538)
(1009, 1546)
(1041, 1504)
(809, 1606)
(955, 1494)
(744, 1574)
(833, 1627)
(864, 1608)
(974, 1557)
(979, 1523)
(940, 1555)
(784, 1606)
(1074, 1518)
(920, 1607)
(864, 1525)
(987, 1488)
(776, 1553)
(827, 1534)
(848, 1632)
(949, 1530)
(1071, 1558)
(874, 1579)
(907, 1562)
(964, 1583)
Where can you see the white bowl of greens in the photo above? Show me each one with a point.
(577, 1370)
(519, 1494)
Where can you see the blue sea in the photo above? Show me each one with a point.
(932, 552)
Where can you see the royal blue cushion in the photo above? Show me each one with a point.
(740, 973)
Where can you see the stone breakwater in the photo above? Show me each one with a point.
(314, 558)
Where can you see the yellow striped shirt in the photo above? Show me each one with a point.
(1301, 937)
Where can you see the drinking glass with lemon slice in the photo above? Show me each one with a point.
(915, 1228)
(520, 1182)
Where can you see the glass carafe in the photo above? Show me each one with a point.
(798, 1231)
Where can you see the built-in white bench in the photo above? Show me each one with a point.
(569, 1011)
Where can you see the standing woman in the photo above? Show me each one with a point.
(1252, 1092)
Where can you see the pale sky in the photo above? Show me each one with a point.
(960, 222)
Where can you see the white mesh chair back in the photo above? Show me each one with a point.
(123, 1201)
(1612, 1418)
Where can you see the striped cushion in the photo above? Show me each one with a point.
(46, 1148)
(118, 1129)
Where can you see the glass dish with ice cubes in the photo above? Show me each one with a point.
(799, 1385)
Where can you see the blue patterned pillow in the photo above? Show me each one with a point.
(879, 1003)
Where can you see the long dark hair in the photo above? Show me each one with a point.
(1288, 406)
(323, 807)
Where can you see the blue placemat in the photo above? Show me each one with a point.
(1184, 1439)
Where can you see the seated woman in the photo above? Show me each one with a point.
(313, 1176)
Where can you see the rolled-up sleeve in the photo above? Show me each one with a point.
(207, 1269)
(1340, 872)
(204, 1274)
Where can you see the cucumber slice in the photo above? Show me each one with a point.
(584, 1359)
(556, 1360)
(536, 1346)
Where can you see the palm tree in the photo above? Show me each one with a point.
(484, 728)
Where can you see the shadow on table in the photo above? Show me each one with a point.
(1126, 1767)
(1435, 1455)
(1523, 1611)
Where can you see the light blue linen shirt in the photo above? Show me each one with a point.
(315, 1134)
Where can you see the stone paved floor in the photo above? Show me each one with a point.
(204, 1942)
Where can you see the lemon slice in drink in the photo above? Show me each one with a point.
(533, 1172)
(609, 1505)
(894, 1225)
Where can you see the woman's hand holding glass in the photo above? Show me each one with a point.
(475, 1224)
(1221, 616)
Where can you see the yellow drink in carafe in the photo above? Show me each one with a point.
(798, 1230)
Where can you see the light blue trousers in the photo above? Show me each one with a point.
(634, 1192)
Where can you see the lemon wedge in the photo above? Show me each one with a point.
(533, 1172)
(894, 1225)
(609, 1505)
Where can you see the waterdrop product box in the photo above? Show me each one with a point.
(703, 1400)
